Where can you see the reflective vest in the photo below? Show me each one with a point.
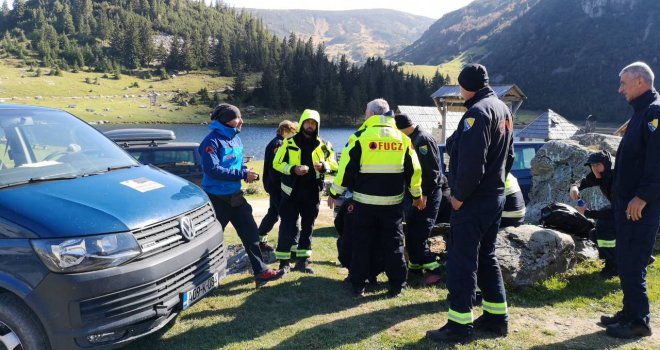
(514, 205)
(377, 162)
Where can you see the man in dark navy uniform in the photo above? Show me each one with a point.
(636, 196)
(481, 154)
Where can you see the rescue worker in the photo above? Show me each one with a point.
(375, 166)
(513, 214)
(419, 223)
(481, 154)
(303, 160)
(272, 182)
(221, 152)
(604, 236)
(636, 195)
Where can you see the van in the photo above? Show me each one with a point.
(96, 249)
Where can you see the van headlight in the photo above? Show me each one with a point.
(82, 254)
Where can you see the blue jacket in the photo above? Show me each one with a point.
(222, 160)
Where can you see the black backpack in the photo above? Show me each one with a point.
(567, 219)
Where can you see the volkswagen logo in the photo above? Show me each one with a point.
(187, 228)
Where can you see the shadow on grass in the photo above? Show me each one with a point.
(325, 232)
(596, 340)
(280, 305)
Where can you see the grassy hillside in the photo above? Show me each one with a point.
(94, 98)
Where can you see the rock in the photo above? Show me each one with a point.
(556, 166)
(238, 262)
(585, 250)
(596, 142)
(528, 254)
(106, 109)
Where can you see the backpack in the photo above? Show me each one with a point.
(567, 219)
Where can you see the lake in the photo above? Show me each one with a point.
(255, 137)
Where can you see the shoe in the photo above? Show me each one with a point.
(265, 247)
(267, 276)
(394, 292)
(630, 329)
(487, 323)
(449, 334)
(609, 271)
(284, 266)
(611, 320)
(432, 279)
(304, 265)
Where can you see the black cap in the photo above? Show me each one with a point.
(600, 157)
(225, 113)
(402, 121)
(473, 77)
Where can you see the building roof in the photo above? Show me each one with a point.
(453, 118)
(453, 92)
(427, 118)
(549, 126)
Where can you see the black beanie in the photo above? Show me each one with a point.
(402, 121)
(225, 113)
(473, 77)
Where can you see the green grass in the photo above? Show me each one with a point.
(317, 311)
(452, 67)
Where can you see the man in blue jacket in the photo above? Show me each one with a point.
(222, 162)
(636, 197)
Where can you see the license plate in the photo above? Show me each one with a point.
(191, 296)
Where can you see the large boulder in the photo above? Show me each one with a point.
(595, 141)
(556, 166)
(528, 254)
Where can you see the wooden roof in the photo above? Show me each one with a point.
(452, 93)
(549, 126)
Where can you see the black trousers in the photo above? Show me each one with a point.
(303, 202)
(272, 215)
(378, 226)
(634, 247)
(606, 240)
(240, 215)
(471, 259)
(419, 224)
(344, 223)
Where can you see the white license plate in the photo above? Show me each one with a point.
(191, 296)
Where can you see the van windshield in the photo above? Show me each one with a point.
(41, 145)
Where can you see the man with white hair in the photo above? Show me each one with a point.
(376, 165)
(636, 197)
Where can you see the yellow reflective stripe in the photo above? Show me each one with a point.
(303, 253)
(514, 213)
(416, 192)
(460, 318)
(381, 169)
(606, 244)
(263, 239)
(511, 185)
(431, 266)
(287, 169)
(336, 189)
(286, 189)
(412, 266)
(377, 200)
(494, 308)
(282, 255)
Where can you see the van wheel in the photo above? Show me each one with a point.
(19, 328)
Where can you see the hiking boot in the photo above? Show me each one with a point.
(630, 329)
(265, 247)
(451, 334)
(497, 325)
(618, 317)
(284, 266)
(304, 265)
(267, 276)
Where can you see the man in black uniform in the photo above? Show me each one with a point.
(601, 175)
(481, 155)
(272, 182)
(419, 223)
(636, 195)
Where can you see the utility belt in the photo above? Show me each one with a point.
(234, 200)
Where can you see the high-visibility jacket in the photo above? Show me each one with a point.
(514, 205)
(289, 155)
(377, 164)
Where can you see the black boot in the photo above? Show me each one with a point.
(304, 265)
(630, 329)
(609, 271)
(452, 333)
(618, 317)
(496, 324)
(284, 266)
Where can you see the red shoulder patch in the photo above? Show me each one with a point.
(275, 150)
(209, 149)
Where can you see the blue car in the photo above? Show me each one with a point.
(96, 249)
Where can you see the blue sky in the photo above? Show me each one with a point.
(428, 8)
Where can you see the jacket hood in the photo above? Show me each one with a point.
(223, 129)
(310, 114)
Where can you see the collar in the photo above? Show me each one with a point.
(644, 100)
(223, 129)
(379, 120)
(480, 95)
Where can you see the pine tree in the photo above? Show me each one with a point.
(239, 88)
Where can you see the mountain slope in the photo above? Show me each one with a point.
(357, 33)
(564, 54)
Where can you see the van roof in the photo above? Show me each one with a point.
(25, 107)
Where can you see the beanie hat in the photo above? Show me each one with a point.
(402, 121)
(600, 157)
(473, 77)
(225, 113)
